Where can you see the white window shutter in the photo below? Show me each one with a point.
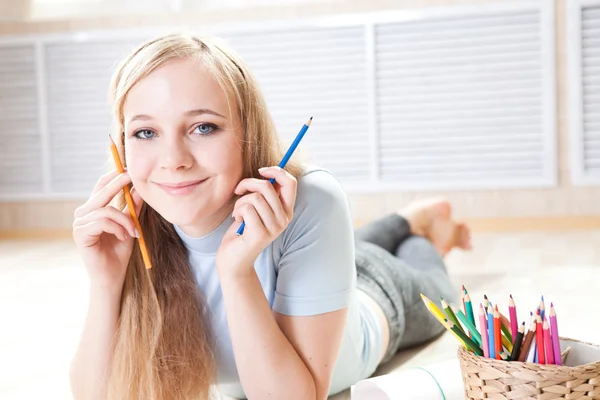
(318, 72)
(584, 84)
(79, 119)
(21, 170)
(460, 101)
(440, 98)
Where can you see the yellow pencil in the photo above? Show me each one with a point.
(433, 309)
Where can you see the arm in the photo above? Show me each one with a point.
(291, 362)
(90, 366)
(292, 349)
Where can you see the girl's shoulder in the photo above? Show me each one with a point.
(319, 188)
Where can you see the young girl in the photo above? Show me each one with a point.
(297, 307)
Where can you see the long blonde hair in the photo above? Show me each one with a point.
(163, 346)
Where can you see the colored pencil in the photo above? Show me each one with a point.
(131, 205)
(532, 351)
(555, 337)
(526, 346)
(504, 356)
(435, 311)
(542, 312)
(469, 312)
(475, 335)
(512, 311)
(462, 297)
(535, 355)
(486, 303)
(469, 343)
(492, 339)
(484, 334)
(514, 355)
(539, 342)
(548, 343)
(497, 332)
(285, 159)
(450, 314)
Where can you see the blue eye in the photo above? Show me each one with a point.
(144, 134)
(205, 129)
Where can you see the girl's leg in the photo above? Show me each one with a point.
(396, 287)
(386, 232)
(394, 267)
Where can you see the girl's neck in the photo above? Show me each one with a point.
(209, 223)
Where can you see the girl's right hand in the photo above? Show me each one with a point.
(103, 234)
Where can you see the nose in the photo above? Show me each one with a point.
(175, 153)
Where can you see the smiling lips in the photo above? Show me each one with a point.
(180, 188)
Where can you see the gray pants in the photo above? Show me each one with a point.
(394, 268)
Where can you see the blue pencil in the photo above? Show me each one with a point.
(285, 159)
(491, 338)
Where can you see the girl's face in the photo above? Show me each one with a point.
(181, 145)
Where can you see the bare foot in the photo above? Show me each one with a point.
(432, 218)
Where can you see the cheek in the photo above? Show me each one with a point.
(139, 164)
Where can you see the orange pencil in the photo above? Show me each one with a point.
(497, 333)
(130, 205)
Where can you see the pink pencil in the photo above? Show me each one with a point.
(484, 334)
(514, 323)
(555, 337)
(548, 344)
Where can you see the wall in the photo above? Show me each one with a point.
(563, 206)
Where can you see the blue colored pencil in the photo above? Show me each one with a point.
(491, 338)
(285, 159)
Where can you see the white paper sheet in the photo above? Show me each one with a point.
(413, 384)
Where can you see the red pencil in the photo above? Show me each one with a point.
(548, 343)
(540, 340)
(462, 296)
(497, 333)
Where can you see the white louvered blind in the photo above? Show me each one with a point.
(452, 98)
(316, 72)
(460, 100)
(20, 141)
(590, 70)
(79, 120)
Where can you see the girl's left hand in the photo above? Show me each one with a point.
(267, 210)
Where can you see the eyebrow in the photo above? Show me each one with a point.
(191, 113)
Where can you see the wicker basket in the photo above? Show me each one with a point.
(486, 378)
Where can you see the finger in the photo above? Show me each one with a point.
(89, 233)
(104, 180)
(104, 195)
(253, 222)
(264, 211)
(108, 212)
(266, 189)
(288, 186)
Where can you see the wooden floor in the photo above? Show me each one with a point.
(43, 299)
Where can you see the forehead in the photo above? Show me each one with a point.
(174, 88)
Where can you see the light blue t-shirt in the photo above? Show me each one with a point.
(309, 269)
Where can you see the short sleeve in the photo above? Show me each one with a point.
(316, 272)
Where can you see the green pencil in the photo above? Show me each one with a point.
(450, 314)
(470, 327)
(469, 309)
(468, 342)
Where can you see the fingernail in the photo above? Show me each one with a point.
(137, 234)
(262, 169)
